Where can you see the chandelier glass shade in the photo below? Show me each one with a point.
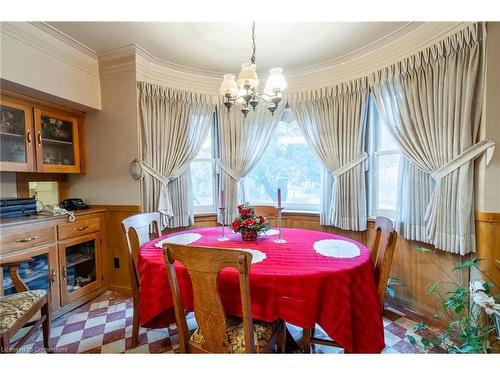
(244, 89)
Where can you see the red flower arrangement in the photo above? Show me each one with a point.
(249, 224)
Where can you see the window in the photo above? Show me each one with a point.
(288, 163)
(385, 169)
(202, 177)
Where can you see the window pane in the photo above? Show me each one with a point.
(387, 141)
(202, 180)
(206, 149)
(288, 163)
(387, 189)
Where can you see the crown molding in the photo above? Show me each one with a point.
(405, 41)
(65, 38)
(118, 60)
(424, 35)
(48, 40)
(182, 80)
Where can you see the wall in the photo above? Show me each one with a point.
(488, 199)
(8, 185)
(488, 177)
(112, 140)
(37, 58)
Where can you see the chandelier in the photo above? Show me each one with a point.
(244, 89)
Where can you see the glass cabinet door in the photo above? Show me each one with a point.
(79, 266)
(57, 142)
(16, 149)
(38, 274)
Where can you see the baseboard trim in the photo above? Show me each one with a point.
(120, 288)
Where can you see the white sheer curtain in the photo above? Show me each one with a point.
(174, 124)
(432, 102)
(333, 121)
(241, 143)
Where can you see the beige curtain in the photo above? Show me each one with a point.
(432, 102)
(241, 143)
(333, 121)
(174, 124)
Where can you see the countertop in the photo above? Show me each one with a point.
(33, 219)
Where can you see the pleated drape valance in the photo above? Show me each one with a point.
(468, 38)
(344, 88)
(150, 90)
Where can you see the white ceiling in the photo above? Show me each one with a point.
(223, 47)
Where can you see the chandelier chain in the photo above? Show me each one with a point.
(253, 43)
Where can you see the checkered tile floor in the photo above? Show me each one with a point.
(104, 325)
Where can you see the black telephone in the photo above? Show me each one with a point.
(73, 204)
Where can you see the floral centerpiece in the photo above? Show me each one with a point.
(472, 315)
(249, 224)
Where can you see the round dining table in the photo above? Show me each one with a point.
(312, 278)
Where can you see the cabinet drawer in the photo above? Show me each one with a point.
(79, 227)
(26, 238)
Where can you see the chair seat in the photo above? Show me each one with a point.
(14, 306)
(235, 340)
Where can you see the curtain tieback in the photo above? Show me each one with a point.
(165, 202)
(350, 165)
(229, 171)
(468, 155)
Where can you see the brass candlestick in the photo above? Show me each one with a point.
(223, 217)
(278, 219)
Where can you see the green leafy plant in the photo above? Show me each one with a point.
(470, 313)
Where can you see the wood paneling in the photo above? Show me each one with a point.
(488, 244)
(115, 246)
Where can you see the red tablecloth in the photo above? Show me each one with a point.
(293, 283)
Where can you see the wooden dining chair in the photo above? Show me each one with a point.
(382, 252)
(145, 227)
(217, 333)
(18, 310)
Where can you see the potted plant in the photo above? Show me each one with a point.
(472, 314)
(249, 224)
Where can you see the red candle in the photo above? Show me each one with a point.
(222, 198)
(279, 198)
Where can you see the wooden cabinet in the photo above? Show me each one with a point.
(57, 144)
(41, 273)
(16, 137)
(37, 138)
(80, 264)
(67, 256)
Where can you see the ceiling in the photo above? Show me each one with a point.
(223, 47)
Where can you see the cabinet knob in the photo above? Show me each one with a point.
(27, 239)
(28, 137)
(65, 272)
(39, 135)
(83, 227)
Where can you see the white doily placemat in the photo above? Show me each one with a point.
(271, 232)
(337, 248)
(257, 256)
(180, 239)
